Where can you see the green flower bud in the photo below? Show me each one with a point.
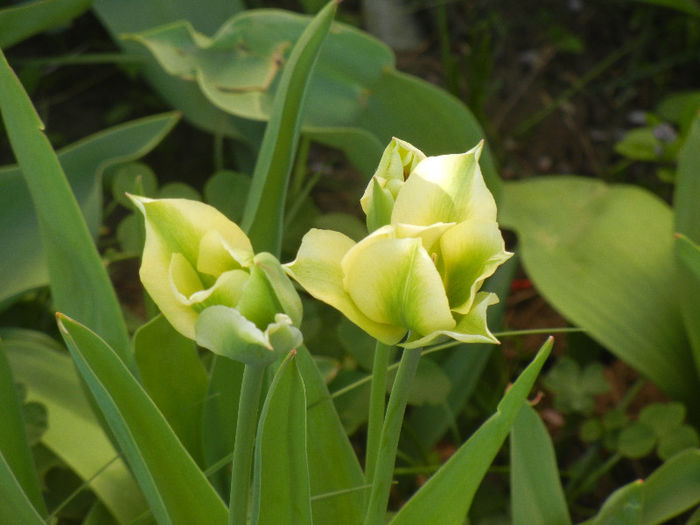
(417, 278)
(200, 270)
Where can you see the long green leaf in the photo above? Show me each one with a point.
(281, 492)
(176, 490)
(13, 437)
(336, 476)
(264, 211)
(174, 378)
(30, 18)
(603, 257)
(687, 222)
(48, 375)
(79, 282)
(448, 494)
(536, 493)
(359, 98)
(16, 507)
(83, 162)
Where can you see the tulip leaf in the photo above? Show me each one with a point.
(333, 466)
(685, 203)
(174, 378)
(536, 493)
(603, 258)
(622, 506)
(176, 490)
(13, 438)
(238, 69)
(48, 374)
(83, 162)
(281, 473)
(22, 21)
(264, 212)
(447, 495)
(16, 506)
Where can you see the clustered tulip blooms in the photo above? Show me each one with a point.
(434, 240)
(200, 269)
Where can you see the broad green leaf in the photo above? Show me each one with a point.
(175, 488)
(13, 439)
(29, 18)
(220, 416)
(49, 376)
(83, 162)
(79, 282)
(16, 506)
(448, 494)
(174, 378)
(337, 481)
(227, 192)
(536, 493)
(264, 212)
(281, 492)
(603, 258)
(238, 71)
(687, 222)
(671, 489)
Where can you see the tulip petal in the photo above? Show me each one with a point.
(446, 188)
(258, 302)
(227, 290)
(471, 327)
(284, 289)
(226, 332)
(471, 251)
(216, 256)
(382, 202)
(317, 268)
(394, 281)
(429, 235)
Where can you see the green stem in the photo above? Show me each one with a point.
(248, 405)
(389, 440)
(377, 398)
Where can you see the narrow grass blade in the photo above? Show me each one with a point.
(176, 490)
(281, 492)
(16, 507)
(448, 494)
(47, 372)
(537, 497)
(79, 282)
(22, 21)
(13, 438)
(264, 213)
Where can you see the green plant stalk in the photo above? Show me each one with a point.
(389, 440)
(248, 405)
(377, 399)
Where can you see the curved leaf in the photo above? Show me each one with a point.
(176, 490)
(16, 507)
(22, 21)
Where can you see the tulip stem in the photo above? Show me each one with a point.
(389, 440)
(248, 405)
(377, 400)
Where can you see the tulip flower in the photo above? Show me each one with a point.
(200, 270)
(416, 278)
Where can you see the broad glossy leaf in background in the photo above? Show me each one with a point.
(686, 204)
(174, 378)
(13, 437)
(73, 432)
(603, 256)
(536, 494)
(333, 465)
(239, 70)
(78, 279)
(447, 496)
(22, 21)
(281, 492)
(176, 489)
(24, 267)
